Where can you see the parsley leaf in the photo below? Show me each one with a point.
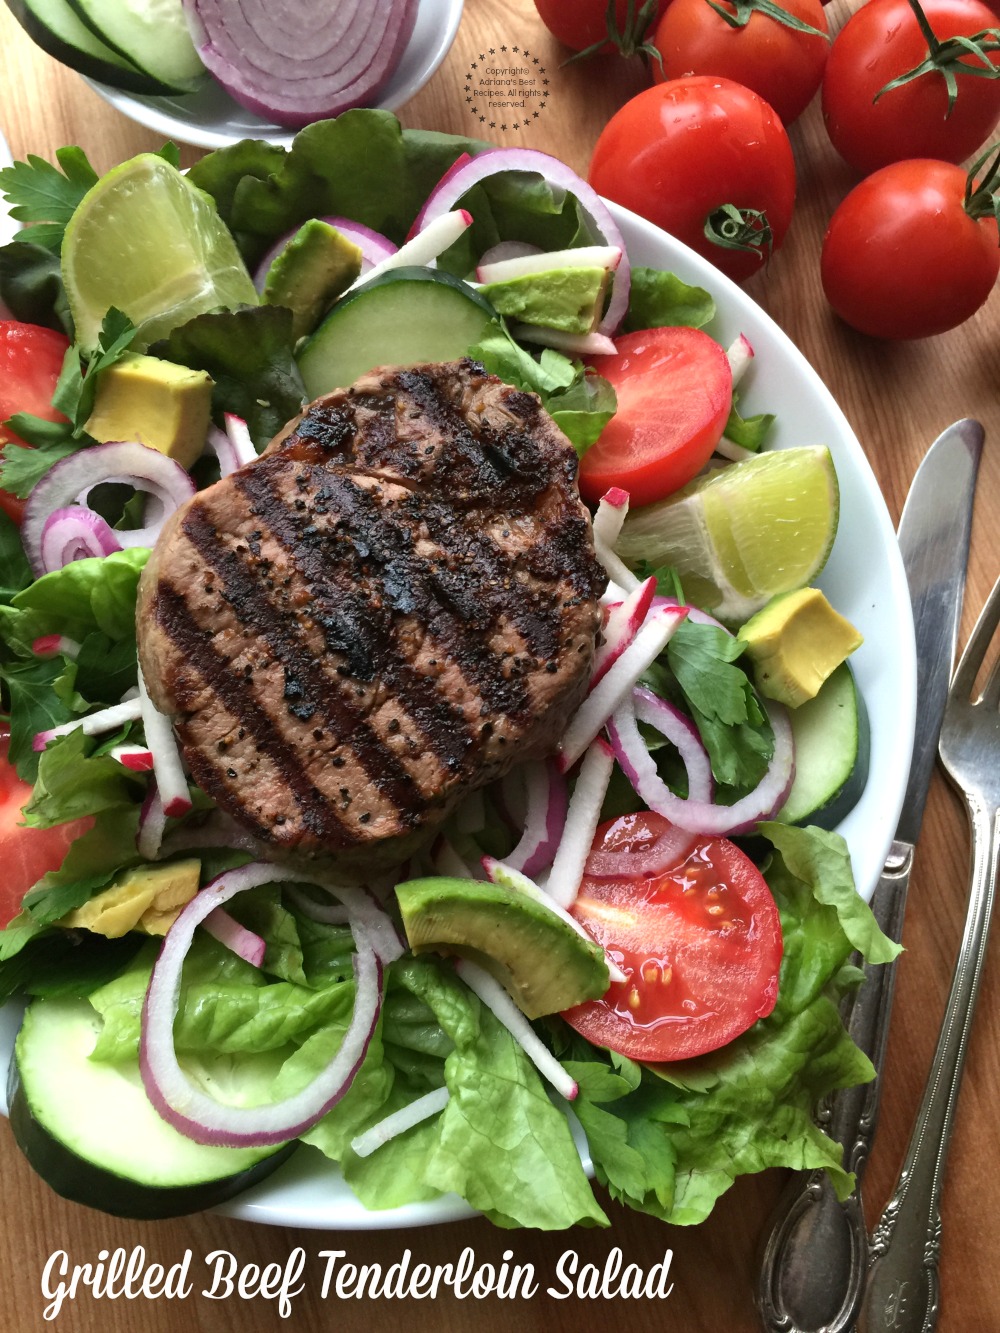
(45, 197)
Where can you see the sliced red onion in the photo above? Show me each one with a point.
(431, 1103)
(373, 245)
(502, 873)
(682, 733)
(458, 181)
(612, 510)
(228, 931)
(362, 908)
(582, 818)
(218, 830)
(645, 861)
(499, 254)
(524, 266)
(218, 443)
(52, 645)
(75, 533)
(136, 758)
(700, 816)
(192, 1111)
(152, 824)
(328, 914)
(624, 620)
(423, 249)
(94, 724)
(506, 1012)
(170, 777)
(617, 683)
(446, 861)
(739, 355)
(578, 344)
(127, 464)
(546, 800)
(298, 64)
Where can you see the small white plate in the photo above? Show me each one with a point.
(864, 579)
(209, 118)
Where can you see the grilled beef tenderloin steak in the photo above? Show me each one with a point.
(390, 607)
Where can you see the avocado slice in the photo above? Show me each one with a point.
(539, 959)
(147, 898)
(158, 403)
(316, 266)
(570, 299)
(795, 643)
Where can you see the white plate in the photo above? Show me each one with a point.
(209, 118)
(864, 579)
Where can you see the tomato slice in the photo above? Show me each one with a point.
(26, 854)
(31, 358)
(700, 945)
(675, 389)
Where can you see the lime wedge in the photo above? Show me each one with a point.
(740, 535)
(145, 240)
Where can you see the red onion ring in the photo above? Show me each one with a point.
(217, 442)
(682, 733)
(75, 533)
(361, 906)
(126, 463)
(498, 254)
(547, 802)
(460, 179)
(700, 816)
(193, 1112)
(644, 861)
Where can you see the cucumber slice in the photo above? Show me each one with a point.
(56, 27)
(831, 737)
(92, 1134)
(151, 34)
(402, 318)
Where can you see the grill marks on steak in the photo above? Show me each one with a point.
(391, 606)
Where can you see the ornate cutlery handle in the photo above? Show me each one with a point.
(814, 1262)
(902, 1294)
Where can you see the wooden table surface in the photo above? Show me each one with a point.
(897, 397)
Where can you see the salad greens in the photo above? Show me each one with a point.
(667, 1140)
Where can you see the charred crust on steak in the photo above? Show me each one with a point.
(391, 606)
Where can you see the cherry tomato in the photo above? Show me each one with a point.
(883, 40)
(580, 24)
(780, 64)
(678, 153)
(26, 853)
(700, 946)
(30, 361)
(675, 389)
(902, 258)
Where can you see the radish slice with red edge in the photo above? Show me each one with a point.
(128, 464)
(431, 1103)
(612, 510)
(217, 442)
(624, 620)
(136, 758)
(192, 1111)
(75, 533)
(695, 613)
(298, 63)
(547, 801)
(504, 250)
(617, 683)
(524, 266)
(460, 179)
(446, 861)
(578, 344)
(152, 824)
(239, 437)
(94, 724)
(228, 931)
(506, 1012)
(582, 818)
(700, 816)
(739, 354)
(170, 777)
(423, 249)
(52, 645)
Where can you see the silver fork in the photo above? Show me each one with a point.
(903, 1293)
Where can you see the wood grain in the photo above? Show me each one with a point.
(897, 398)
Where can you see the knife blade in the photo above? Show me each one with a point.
(797, 1294)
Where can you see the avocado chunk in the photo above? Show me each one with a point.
(570, 299)
(316, 266)
(795, 643)
(158, 403)
(536, 956)
(147, 898)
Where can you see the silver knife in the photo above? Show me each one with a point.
(814, 1262)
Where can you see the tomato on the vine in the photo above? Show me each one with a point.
(700, 945)
(708, 161)
(913, 249)
(582, 25)
(26, 854)
(674, 389)
(781, 63)
(31, 358)
(871, 124)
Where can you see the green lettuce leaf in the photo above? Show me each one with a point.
(86, 595)
(658, 299)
